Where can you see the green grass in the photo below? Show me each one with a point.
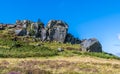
(19, 49)
(24, 52)
(100, 55)
(27, 48)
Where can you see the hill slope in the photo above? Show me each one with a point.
(27, 55)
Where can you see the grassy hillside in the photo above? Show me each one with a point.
(25, 55)
(29, 48)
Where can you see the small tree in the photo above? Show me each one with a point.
(40, 24)
(31, 32)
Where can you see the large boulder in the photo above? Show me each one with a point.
(91, 45)
(20, 32)
(1, 27)
(56, 30)
(23, 23)
(21, 27)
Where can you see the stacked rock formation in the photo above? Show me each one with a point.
(55, 30)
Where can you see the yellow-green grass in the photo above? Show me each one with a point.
(60, 65)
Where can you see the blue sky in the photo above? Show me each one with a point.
(86, 18)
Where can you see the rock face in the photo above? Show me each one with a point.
(21, 27)
(23, 32)
(43, 34)
(1, 27)
(91, 45)
(56, 30)
(35, 29)
(71, 39)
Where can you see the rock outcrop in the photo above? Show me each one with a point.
(21, 27)
(1, 27)
(43, 34)
(71, 39)
(56, 30)
(91, 45)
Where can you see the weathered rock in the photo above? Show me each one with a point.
(20, 32)
(1, 27)
(68, 38)
(18, 22)
(21, 27)
(71, 39)
(25, 24)
(10, 26)
(39, 30)
(34, 26)
(43, 34)
(57, 30)
(91, 45)
(77, 41)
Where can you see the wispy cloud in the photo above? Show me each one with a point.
(118, 36)
(118, 45)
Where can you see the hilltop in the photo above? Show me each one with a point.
(55, 30)
(31, 48)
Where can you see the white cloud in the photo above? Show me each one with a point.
(119, 36)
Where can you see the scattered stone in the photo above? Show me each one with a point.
(38, 44)
(60, 49)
